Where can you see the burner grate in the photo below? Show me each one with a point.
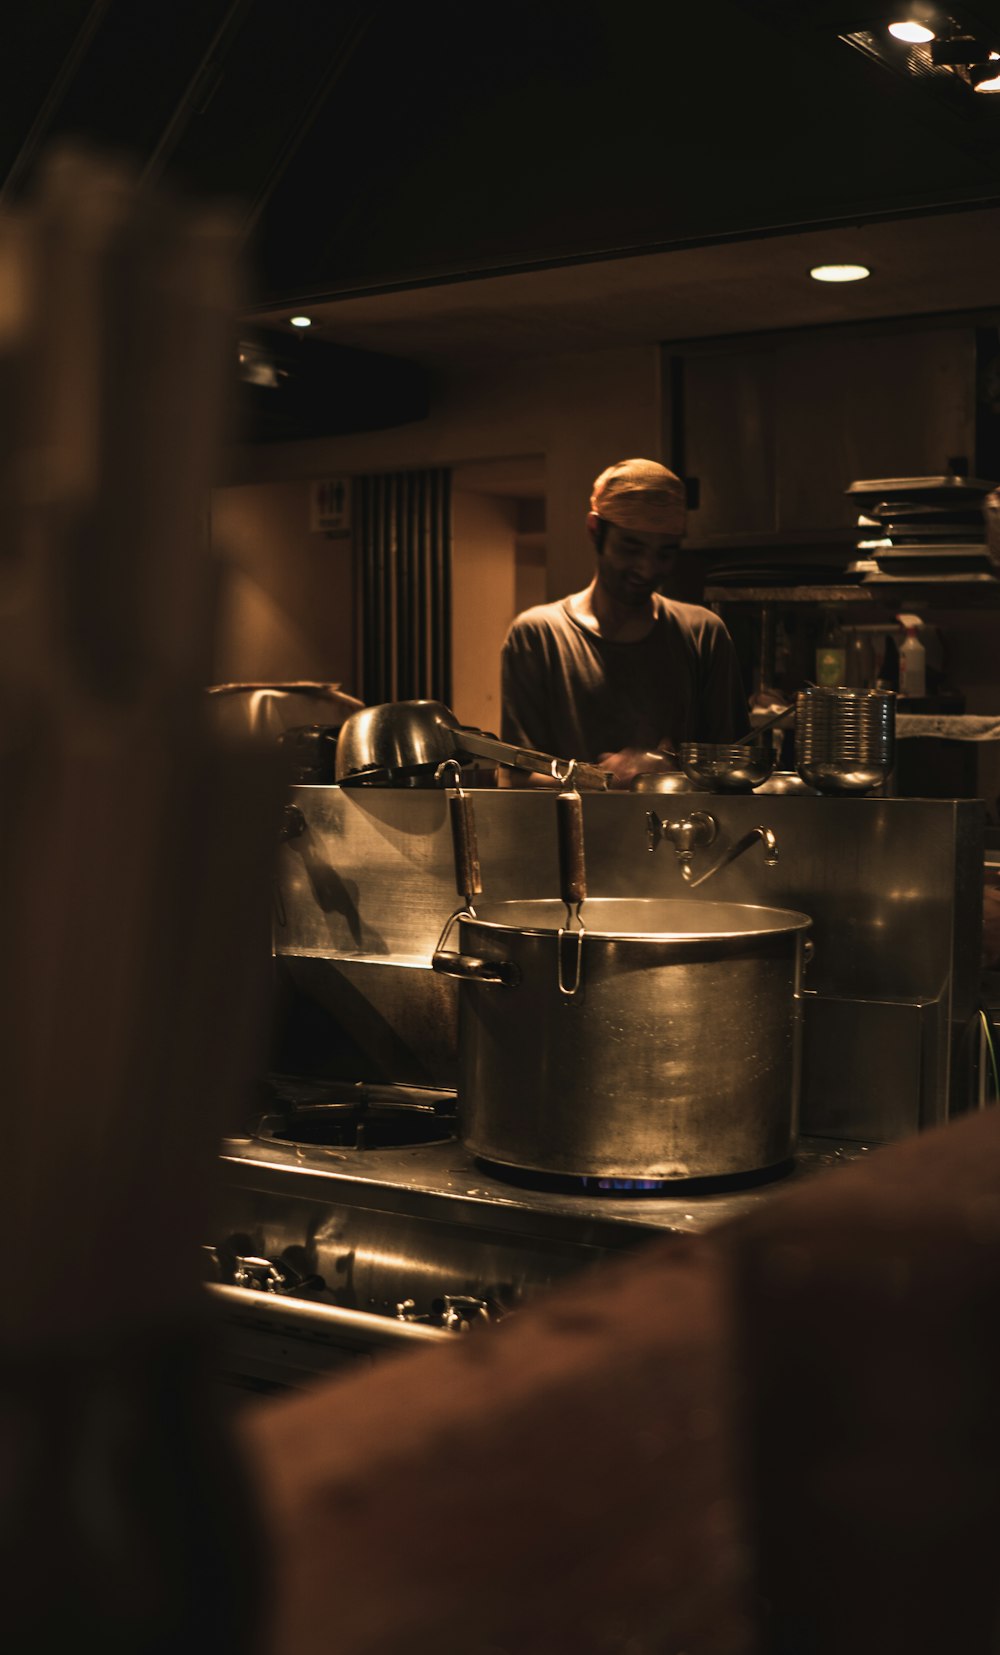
(338, 1115)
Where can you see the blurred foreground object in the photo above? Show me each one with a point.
(134, 881)
(778, 1439)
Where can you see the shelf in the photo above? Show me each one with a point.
(967, 593)
(790, 594)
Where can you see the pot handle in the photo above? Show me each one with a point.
(469, 877)
(468, 873)
(572, 880)
(469, 967)
(572, 866)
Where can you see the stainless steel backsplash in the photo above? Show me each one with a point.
(893, 887)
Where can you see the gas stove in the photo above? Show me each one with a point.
(351, 1220)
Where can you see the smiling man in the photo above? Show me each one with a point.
(618, 674)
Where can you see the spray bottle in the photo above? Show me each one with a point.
(912, 658)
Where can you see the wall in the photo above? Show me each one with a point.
(581, 411)
(287, 594)
(292, 614)
(776, 425)
(483, 595)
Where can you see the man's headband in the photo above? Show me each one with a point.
(642, 495)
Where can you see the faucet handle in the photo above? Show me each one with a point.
(697, 829)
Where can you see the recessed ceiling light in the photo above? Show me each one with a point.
(914, 34)
(301, 321)
(839, 272)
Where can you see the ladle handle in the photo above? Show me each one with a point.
(764, 725)
(468, 873)
(524, 758)
(572, 866)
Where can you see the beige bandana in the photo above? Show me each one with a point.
(640, 494)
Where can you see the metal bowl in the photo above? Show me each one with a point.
(724, 767)
(662, 781)
(844, 775)
(786, 781)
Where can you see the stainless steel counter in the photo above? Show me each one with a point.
(374, 1250)
(442, 1180)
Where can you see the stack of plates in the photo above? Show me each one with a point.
(924, 528)
(844, 739)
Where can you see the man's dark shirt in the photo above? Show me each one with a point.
(568, 691)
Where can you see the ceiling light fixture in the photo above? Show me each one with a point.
(957, 51)
(928, 42)
(914, 34)
(256, 366)
(971, 60)
(985, 77)
(301, 321)
(839, 272)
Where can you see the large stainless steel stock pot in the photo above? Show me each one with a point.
(677, 1056)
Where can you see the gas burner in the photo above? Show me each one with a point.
(346, 1115)
(615, 1186)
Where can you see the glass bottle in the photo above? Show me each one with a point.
(888, 672)
(831, 655)
(860, 660)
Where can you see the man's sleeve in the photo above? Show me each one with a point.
(524, 720)
(723, 713)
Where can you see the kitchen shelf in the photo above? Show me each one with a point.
(790, 594)
(891, 595)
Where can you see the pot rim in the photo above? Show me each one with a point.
(782, 921)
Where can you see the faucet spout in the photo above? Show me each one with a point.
(742, 844)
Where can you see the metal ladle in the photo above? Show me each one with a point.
(758, 729)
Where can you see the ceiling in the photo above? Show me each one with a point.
(933, 263)
(563, 177)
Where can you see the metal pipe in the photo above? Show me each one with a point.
(332, 1324)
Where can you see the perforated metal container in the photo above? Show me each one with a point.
(845, 739)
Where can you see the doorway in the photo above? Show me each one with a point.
(499, 567)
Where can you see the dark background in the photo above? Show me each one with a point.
(370, 145)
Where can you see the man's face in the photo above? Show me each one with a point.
(631, 564)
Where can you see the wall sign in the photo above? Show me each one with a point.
(330, 505)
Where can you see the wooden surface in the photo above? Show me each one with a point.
(562, 1484)
(135, 859)
(782, 1438)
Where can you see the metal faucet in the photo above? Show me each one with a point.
(764, 834)
(697, 829)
